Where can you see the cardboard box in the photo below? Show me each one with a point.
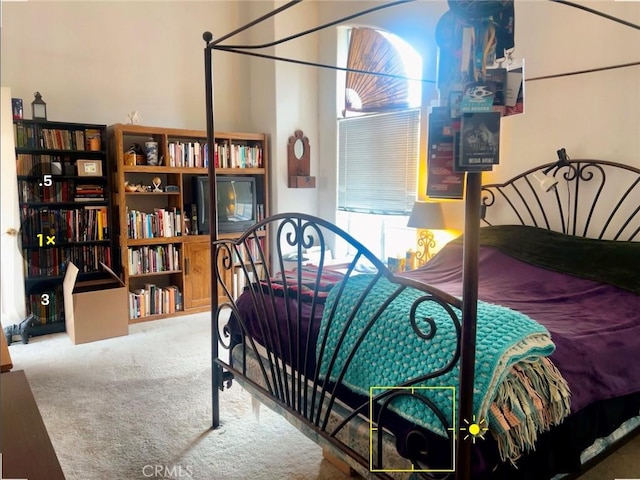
(96, 309)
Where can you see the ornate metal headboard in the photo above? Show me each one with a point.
(593, 198)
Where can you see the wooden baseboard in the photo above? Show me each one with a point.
(339, 464)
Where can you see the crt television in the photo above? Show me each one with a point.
(236, 203)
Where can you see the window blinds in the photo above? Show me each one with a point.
(378, 162)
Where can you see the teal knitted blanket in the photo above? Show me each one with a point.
(391, 352)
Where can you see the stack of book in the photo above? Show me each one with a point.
(89, 193)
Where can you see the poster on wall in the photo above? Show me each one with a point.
(456, 158)
(479, 140)
(442, 180)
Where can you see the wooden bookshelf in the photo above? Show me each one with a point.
(64, 197)
(183, 157)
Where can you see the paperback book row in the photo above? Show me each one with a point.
(49, 313)
(238, 156)
(163, 222)
(154, 300)
(153, 259)
(195, 154)
(86, 224)
(28, 136)
(45, 262)
(63, 191)
(188, 154)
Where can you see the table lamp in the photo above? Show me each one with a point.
(426, 216)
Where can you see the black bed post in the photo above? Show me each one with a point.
(469, 310)
(216, 370)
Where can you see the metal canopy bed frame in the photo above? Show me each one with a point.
(283, 377)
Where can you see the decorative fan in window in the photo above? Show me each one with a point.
(374, 51)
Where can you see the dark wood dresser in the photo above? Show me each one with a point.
(26, 449)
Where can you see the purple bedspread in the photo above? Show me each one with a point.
(595, 327)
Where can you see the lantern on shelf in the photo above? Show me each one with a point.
(38, 108)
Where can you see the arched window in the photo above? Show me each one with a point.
(381, 52)
(379, 141)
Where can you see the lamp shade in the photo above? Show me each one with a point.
(546, 182)
(427, 215)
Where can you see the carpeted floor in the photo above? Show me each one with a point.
(138, 407)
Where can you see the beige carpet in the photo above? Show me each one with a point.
(139, 407)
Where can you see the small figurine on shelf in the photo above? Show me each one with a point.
(134, 117)
(157, 181)
(134, 155)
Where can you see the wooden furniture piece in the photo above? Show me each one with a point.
(25, 445)
(155, 226)
(5, 357)
(64, 200)
(299, 161)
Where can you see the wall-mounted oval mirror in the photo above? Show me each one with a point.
(299, 161)
(298, 149)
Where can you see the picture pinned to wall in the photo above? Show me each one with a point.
(515, 91)
(479, 140)
(457, 167)
(442, 180)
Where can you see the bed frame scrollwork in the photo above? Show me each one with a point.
(275, 362)
(574, 205)
(294, 385)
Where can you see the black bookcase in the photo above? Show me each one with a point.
(65, 212)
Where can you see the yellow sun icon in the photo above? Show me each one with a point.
(476, 430)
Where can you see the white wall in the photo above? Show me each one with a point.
(297, 105)
(96, 61)
(594, 115)
(11, 272)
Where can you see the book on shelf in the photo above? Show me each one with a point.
(249, 251)
(237, 156)
(163, 222)
(70, 224)
(89, 193)
(30, 191)
(89, 198)
(154, 300)
(49, 313)
(62, 139)
(45, 262)
(28, 164)
(188, 154)
(24, 135)
(153, 259)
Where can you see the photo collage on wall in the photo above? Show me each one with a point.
(464, 135)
